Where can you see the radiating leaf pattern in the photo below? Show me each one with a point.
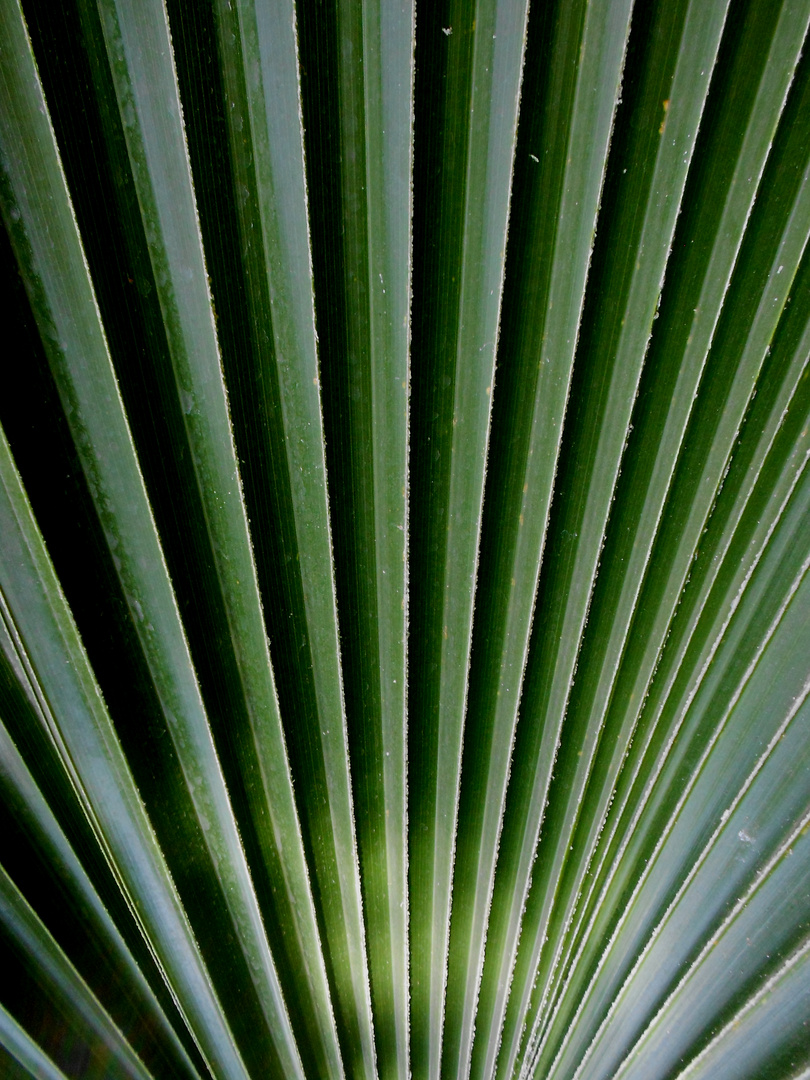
(405, 539)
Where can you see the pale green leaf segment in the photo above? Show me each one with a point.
(375, 58)
(699, 287)
(747, 729)
(768, 578)
(685, 44)
(38, 213)
(762, 925)
(140, 57)
(258, 51)
(48, 650)
(556, 223)
(760, 459)
(30, 809)
(788, 540)
(61, 981)
(485, 45)
(19, 1044)
(772, 1023)
(755, 530)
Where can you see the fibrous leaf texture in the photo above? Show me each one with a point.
(405, 540)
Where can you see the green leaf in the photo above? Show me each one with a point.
(750, 938)
(266, 149)
(477, 56)
(684, 40)
(276, 208)
(363, 55)
(48, 649)
(25, 1050)
(727, 765)
(768, 1022)
(31, 812)
(42, 221)
(60, 979)
(560, 196)
(404, 539)
(698, 286)
(746, 647)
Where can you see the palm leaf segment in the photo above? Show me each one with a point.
(404, 611)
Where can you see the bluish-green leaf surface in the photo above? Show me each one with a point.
(405, 539)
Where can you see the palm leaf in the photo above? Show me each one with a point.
(405, 539)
